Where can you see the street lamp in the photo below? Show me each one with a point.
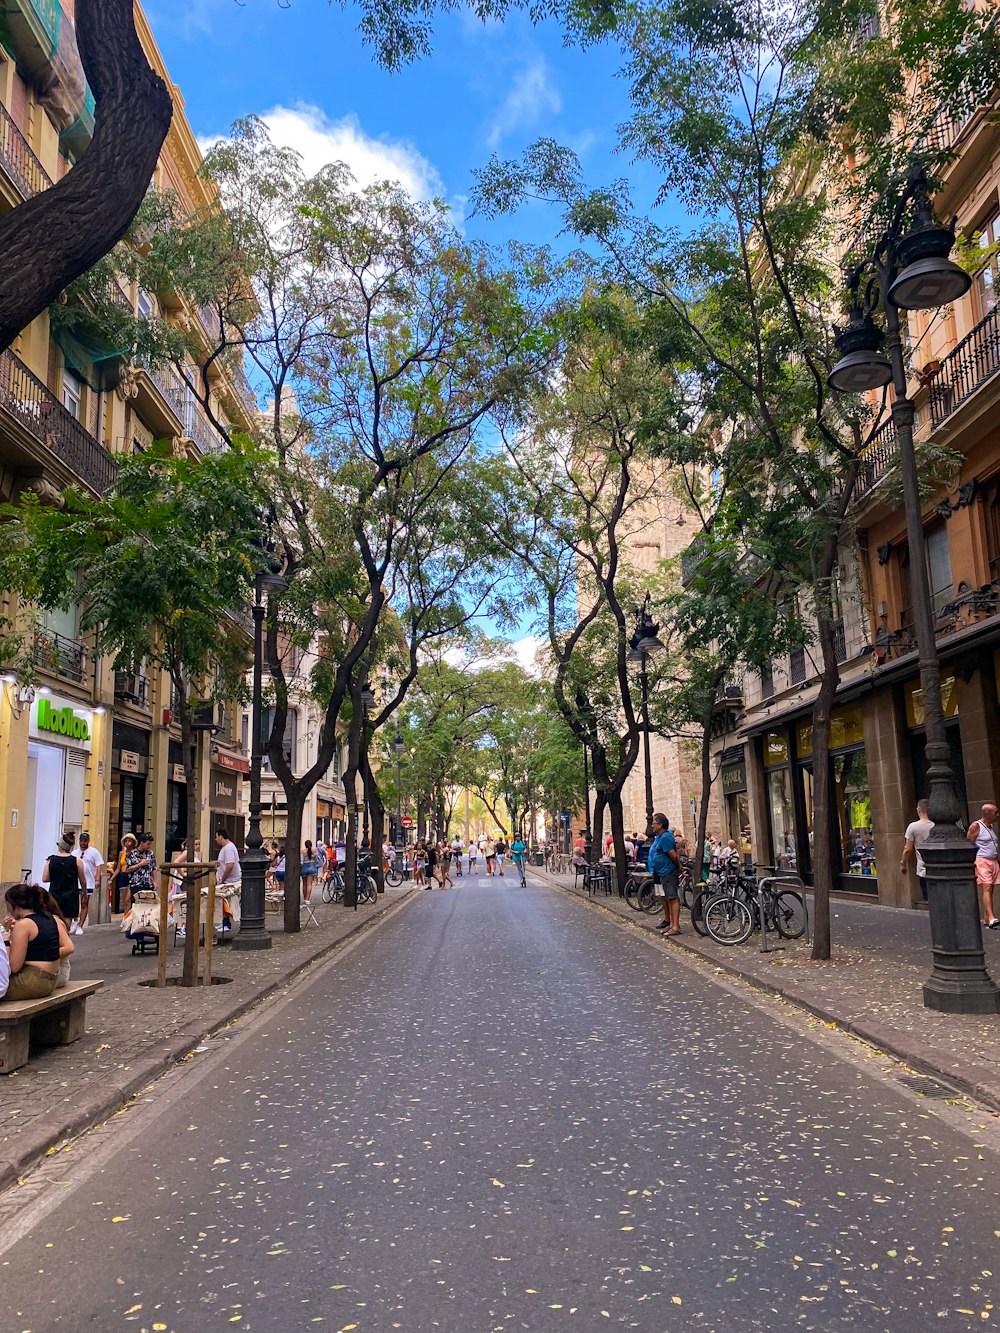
(399, 745)
(910, 270)
(644, 643)
(367, 701)
(254, 861)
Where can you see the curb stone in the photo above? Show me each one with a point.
(976, 1081)
(118, 1089)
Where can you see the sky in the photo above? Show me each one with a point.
(495, 88)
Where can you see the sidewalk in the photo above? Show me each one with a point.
(135, 1032)
(871, 987)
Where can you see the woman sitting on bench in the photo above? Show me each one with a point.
(38, 941)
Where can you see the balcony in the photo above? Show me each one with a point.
(975, 360)
(25, 400)
(132, 688)
(59, 655)
(17, 159)
(198, 429)
(878, 458)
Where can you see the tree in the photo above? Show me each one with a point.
(166, 560)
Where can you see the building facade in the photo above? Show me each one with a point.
(81, 745)
(878, 761)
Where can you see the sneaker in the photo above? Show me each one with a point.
(664, 925)
(79, 929)
(181, 933)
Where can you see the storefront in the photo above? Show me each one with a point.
(59, 748)
(330, 826)
(787, 756)
(129, 781)
(176, 828)
(224, 801)
(735, 795)
(916, 733)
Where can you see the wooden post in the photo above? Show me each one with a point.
(209, 930)
(161, 951)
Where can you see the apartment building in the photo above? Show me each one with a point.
(82, 746)
(878, 758)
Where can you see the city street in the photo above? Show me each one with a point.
(503, 1110)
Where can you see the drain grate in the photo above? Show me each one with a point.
(926, 1087)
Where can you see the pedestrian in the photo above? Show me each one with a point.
(490, 852)
(93, 866)
(663, 862)
(117, 869)
(457, 848)
(983, 833)
(140, 864)
(229, 873)
(308, 867)
(38, 943)
(500, 847)
(444, 864)
(519, 855)
(432, 860)
(914, 838)
(706, 854)
(65, 876)
(473, 859)
(178, 886)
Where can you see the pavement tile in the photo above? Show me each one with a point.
(871, 987)
(134, 1031)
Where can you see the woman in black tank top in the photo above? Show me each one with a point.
(64, 874)
(38, 940)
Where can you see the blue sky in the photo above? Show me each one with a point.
(484, 89)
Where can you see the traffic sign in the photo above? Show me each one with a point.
(407, 821)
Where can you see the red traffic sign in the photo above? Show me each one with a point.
(407, 821)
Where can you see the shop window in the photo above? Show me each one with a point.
(779, 799)
(991, 519)
(987, 277)
(852, 802)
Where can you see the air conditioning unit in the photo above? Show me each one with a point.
(207, 716)
(131, 686)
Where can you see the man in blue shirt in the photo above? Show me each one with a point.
(663, 863)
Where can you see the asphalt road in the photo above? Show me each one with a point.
(503, 1111)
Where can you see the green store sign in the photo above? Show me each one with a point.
(61, 721)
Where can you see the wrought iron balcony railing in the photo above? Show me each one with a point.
(877, 459)
(24, 397)
(17, 157)
(62, 656)
(975, 360)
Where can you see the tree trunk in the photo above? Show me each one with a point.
(421, 818)
(376, 809)
(617, 812)
(822, 859)
(597, 825)
(59, 234)
(698, 860)
(295, 803)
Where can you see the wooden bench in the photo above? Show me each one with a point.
(55, 1021)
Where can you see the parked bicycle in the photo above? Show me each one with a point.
(728, 908)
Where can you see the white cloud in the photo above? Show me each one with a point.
(526, 651)
(319, 141)
(532, 96)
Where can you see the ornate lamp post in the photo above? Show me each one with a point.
(254, 861)
(644, 643)
(910, 270)
(367, 701)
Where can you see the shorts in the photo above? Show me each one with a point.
(665, 886)
(987, 870)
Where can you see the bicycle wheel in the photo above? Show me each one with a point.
(728, 921)
(394, 878)
(370, 889)
(648, 901)
(328, 889)
(789, 914)
(686, 888)
(633, 888)
(701, 901)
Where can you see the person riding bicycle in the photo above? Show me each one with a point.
(663, 862)
(519, 855)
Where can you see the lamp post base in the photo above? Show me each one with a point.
(959, 983)
(253, 933)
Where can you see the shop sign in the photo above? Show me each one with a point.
(847, 727)
(234, 762)
(223, 791)
(52, 717)
(129, 761)
(177, 773)
(734, 777)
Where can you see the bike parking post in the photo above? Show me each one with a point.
(761, 907)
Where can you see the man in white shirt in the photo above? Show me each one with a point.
(914, 838)
(228, 872)
(93, 864)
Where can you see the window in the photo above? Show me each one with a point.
(767, 680)
(144, 305)
(987, 277)
(779, 799)
(991, 516)
(72, 394)
(291, 735)
(939, 565)
(797, 664)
